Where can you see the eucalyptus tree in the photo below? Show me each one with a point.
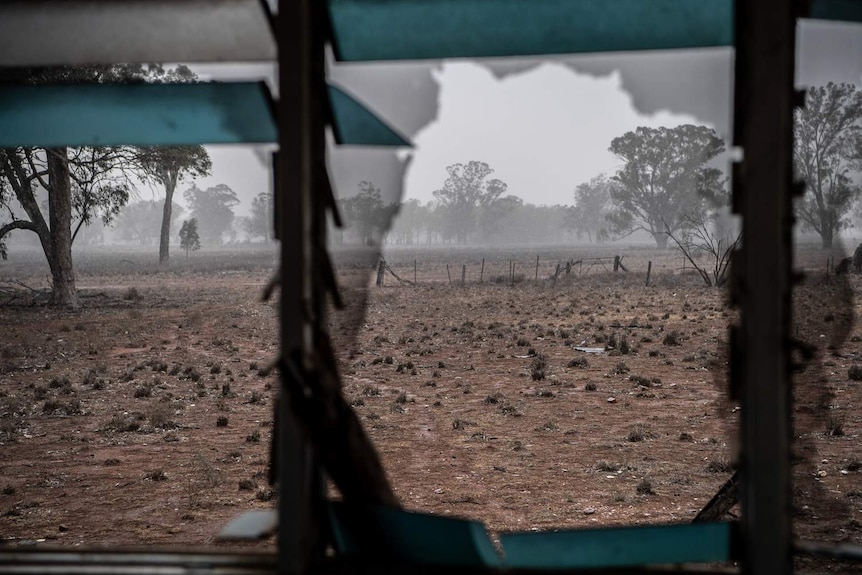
(465, 194)
(826, 137)
(80, 184)
(664, 177)
(167, 166)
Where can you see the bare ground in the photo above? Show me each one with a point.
(145, 418)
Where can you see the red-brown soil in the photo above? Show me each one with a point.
(474, 396)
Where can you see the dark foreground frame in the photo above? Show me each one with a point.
(764, 101)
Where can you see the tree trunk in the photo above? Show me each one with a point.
(60, 218)
(660, 240)
(826, 236)
(17, 178)
(167, 212)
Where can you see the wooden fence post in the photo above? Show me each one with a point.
(537, 267)
(448, 274)
(463, 275)
(380, 272)
(414, 273)
(648, 271)
(616, 263)
(482, 271)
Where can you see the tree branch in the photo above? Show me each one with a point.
(77, 229)
(36, 174)
(18, 225)
(13, 173)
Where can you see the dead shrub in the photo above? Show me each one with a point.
(132, 294)
(538, 367)
(672, 338)
(645, 487)
(835, 425)
(578, 362)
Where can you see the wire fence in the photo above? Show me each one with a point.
(506, 271)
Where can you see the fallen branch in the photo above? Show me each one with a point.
(403, 281)
(21, 287)
(21, 284)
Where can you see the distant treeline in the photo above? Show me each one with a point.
(467, 209)
(515, 222)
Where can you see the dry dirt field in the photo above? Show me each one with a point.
(145, 418)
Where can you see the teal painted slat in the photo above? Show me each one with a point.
(615, 547)
(135, 114)
(838, 10)
(354, 124)
(416, 29)
(165, 114)
(413, 537)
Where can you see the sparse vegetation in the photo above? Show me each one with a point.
(607, 467)
(620, 369)
(638, 433)
(624, 346)
(266, 494)
(132, 294)
(835, 425)
(61, 382)
(640, 380)
(508, 409)
(143, 391)
(459, 423)
(371, 391)
(122, 424)
(672, 338)
(172, 383)
(191, 373)
(538, 367)
(159, 415)
(719, 466)
(157, 475)
(548, 426)
(645, 487)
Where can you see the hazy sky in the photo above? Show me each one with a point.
(543, 125)
(543, 131)
(243, 168)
